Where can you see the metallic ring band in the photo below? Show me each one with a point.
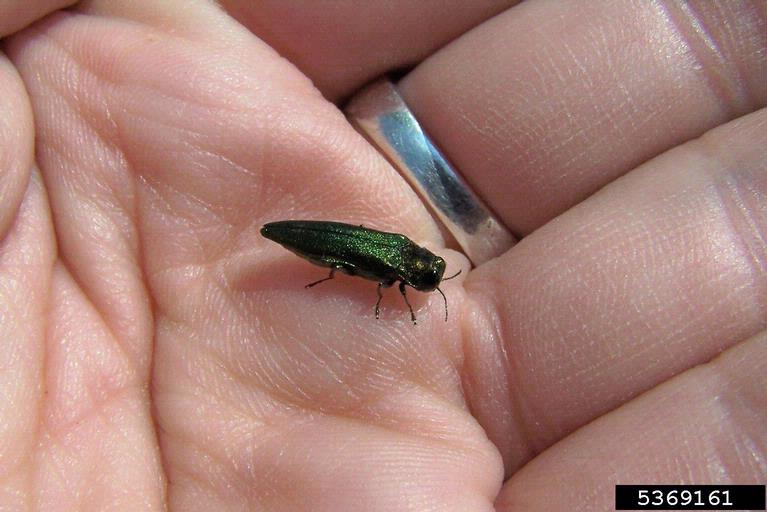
(379, 112)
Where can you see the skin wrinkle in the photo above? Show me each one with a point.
(111, 149)
(516, 405)
(128, 371)
(236, 376)
(162, 196)
(732, 403)
(200, 148)
(35, 192)
(287, 397)
(157, 431)
(66, 156)
(714, 67)
(723, 464)
(60, 446)
(743, 224)
(43, 31)
(7, 158)
(207, 449)
(450, 451)
(65, 264)
(361, 406)
(57, 469)
(4, 234)
(226, 107)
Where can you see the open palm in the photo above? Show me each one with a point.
(158, 353)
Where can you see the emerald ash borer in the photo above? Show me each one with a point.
(359, 251)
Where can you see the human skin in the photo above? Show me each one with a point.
(159, 354)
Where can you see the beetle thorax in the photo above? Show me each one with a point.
(422, 270)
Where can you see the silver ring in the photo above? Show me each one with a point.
(380, 113)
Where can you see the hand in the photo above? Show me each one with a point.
(158, 352)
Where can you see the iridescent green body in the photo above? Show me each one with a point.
(358, 251)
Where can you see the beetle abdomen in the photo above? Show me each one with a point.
(368, 253)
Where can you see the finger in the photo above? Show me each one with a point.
(17, 14)
(26, 250)
(704, 426)
(94, 323)
(91, 200)
(657, 273)
(545, 104)
(16, 144)
(26, 255)
(340, 46)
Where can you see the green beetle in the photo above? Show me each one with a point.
(359, 251)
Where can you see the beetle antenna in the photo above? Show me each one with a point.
(454, 275)
(444, 298)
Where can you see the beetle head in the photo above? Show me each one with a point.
(424, 270)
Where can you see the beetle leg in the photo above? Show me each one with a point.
(332, 272)
(379, 298)
(382, 284)
(402, 291)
